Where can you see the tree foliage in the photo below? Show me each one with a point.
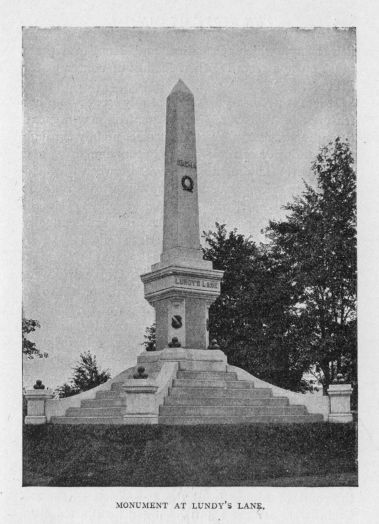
(86, 376)
(290, 304)
(150, 338)
(29, 348)
(318, 242)
(250, 319)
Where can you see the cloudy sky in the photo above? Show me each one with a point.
(266, 100)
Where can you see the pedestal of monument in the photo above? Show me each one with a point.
(181, 297)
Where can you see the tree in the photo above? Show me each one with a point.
(317, 241)
(29, 348)
(86, 376)
(250, 318)
(150, 342)
(289, 306)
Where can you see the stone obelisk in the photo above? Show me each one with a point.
(182, 286)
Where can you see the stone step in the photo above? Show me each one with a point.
(108, 394)
(233, 411)
(221, 392)
(180, 400)
(234, 384)
(87, 420)
(95, 412)
(104, 402)
(117, 386)
(202, 365)
(262, 419)
(207, 375)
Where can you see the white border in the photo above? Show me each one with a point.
(74, 505)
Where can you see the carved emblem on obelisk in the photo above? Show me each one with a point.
(187, 183)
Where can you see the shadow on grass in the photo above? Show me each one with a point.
(245, 455)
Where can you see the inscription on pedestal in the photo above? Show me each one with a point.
(196, 283)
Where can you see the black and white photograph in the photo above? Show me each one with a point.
(189, 257)
(188, 270)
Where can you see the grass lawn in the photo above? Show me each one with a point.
(244, 455)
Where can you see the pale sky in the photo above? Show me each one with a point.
(266, 100)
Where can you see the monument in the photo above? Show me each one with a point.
(187, 380)
(182, 286)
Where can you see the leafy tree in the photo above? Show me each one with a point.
(150, 342)
(29, 348)
(289, 306)
(317, 241)
(86, 376)
(250, 318)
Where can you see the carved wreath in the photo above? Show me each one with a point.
(187, 183)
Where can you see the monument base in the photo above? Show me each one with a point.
(187, 359)
(35, 420)
(340, 417)
(181, 297)
(184, 386)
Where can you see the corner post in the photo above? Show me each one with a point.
(339, 397)
(36, 403)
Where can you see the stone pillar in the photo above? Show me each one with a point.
(182, 286)
(181, 211)
(36, 399)
(181, 298)
(141, 402)
(339, 397)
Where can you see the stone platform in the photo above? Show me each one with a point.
(186, 386)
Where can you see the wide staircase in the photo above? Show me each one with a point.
(218, 397)
(107, 407)
(197, 397)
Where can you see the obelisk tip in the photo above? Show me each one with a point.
(180, 87)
